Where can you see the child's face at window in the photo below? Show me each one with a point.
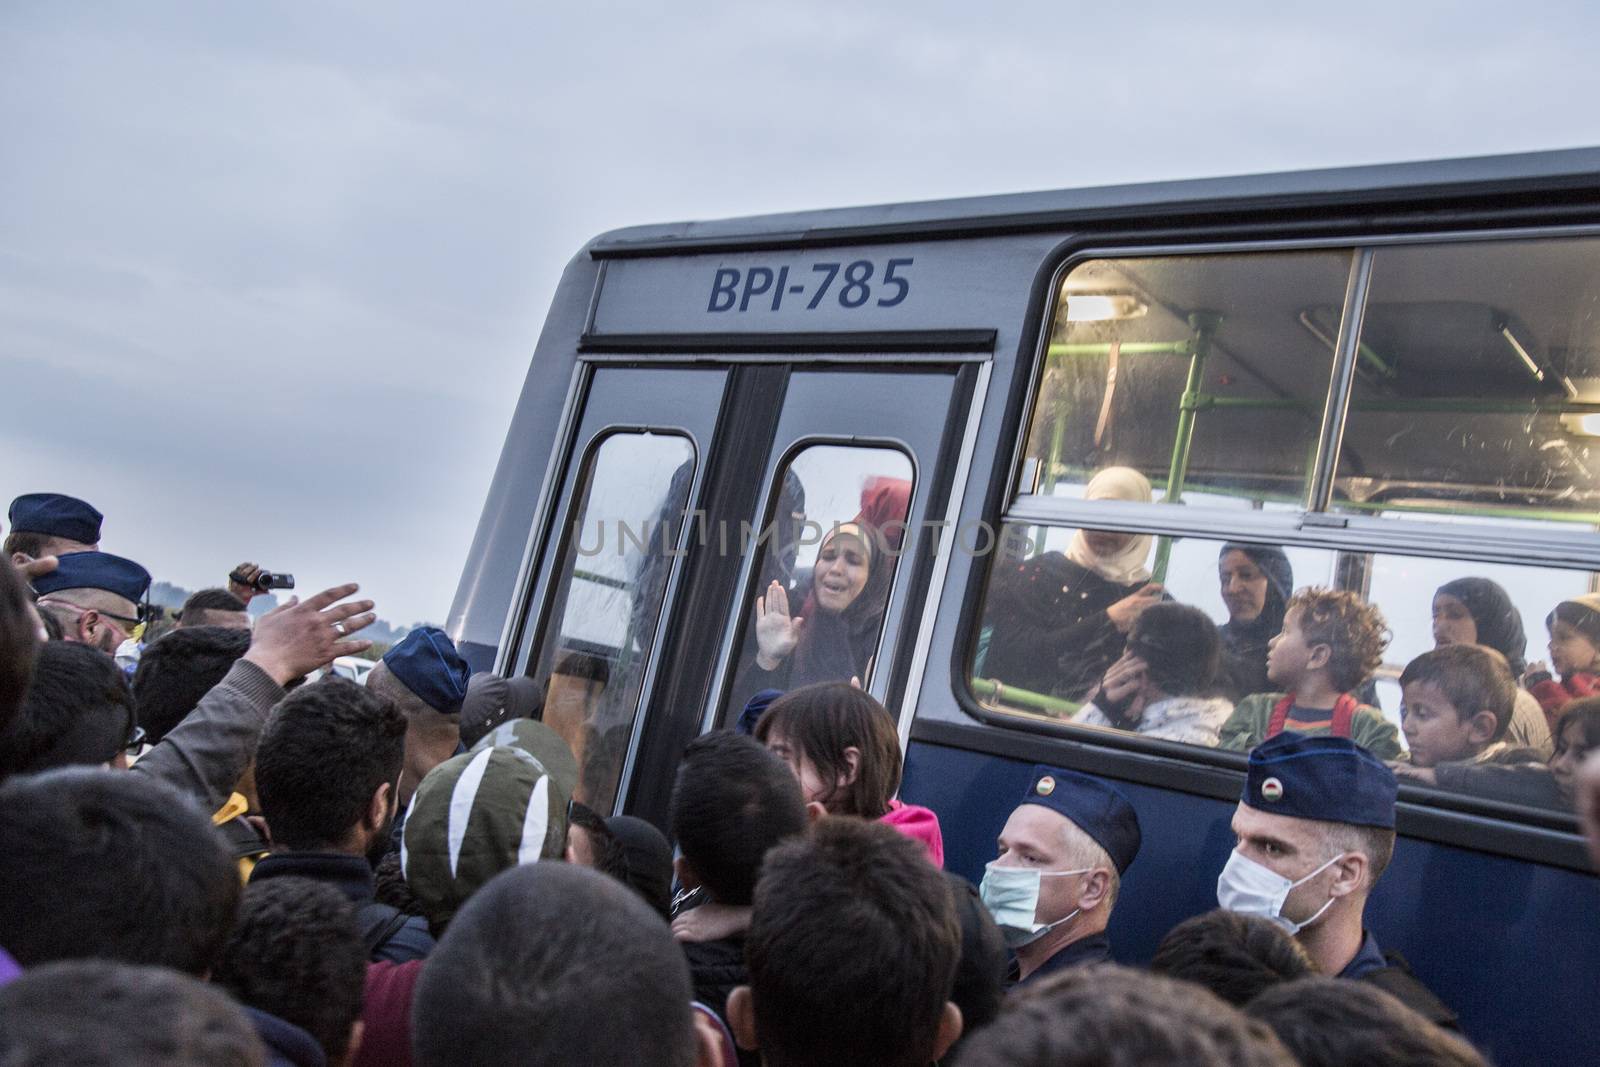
(1570, 650)
(1435, 732)
(1453, 624)
(1568, 757)
(1288, 654)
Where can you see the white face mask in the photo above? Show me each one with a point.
(1250, 888)
(1012, 896)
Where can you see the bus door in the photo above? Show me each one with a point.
(639, 453)
(814, 461)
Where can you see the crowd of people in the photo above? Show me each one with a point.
(216, 852)
(1090, 626)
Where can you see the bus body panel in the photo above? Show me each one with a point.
(1506, 944)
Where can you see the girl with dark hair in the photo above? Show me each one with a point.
(1256, 582)
(1477, 611)
(844, 748)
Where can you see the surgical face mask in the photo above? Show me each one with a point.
(1249, 888)
(1012, 896)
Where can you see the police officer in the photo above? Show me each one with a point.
(50, 524)
(1315, 831)
(95, 597)
(1062, 856)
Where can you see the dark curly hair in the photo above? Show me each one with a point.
(1354, 631)
(296, 952)
(324, 752)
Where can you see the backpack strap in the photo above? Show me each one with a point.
(379, 922)
(1344, 713)
(1280, 715)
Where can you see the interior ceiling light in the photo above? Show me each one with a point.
(1102, 307)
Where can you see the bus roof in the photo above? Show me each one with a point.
(1575, 169)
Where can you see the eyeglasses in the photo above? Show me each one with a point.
(124, 623)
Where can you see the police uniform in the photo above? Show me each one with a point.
(1101, 811)
(55, 515)
(95, 570)
(1332, 779)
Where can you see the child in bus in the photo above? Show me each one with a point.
(1330, 645)
(1456, 705)
(1534, 784)
(1574, 669)
(845, 748)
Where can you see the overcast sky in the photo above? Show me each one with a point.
(270, 273)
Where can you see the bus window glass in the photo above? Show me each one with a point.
(1477, 382)
(828, 557)
(1061, 639)
(1205, 373)
(613, 577)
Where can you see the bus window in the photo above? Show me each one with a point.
(828, 559)
(1065, 638)
(1205, 373)
(614, 570)
(1478, 382)
(1050, 647)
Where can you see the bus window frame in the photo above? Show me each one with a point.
(733, 634)
(545, 621)
(1516, 827)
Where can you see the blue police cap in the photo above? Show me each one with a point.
(1095, 807)
(55, 515)
(427, 663)
(96, 570)
(1330, 779)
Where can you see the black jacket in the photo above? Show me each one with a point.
(390, 935)
(716, 968)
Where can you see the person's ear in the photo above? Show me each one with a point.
(378, 809)
(949, 1030)
(685, 873)
(1348, 874)
(1320, 656)
(815, 811)
(86, 625)
(1096, 886)
(1481, 727)
(852, 766)
(742, 1018)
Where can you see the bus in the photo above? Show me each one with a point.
(1389, 375)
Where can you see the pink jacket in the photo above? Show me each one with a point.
(919, 824)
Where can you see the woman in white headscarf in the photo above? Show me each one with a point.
(1059, 620)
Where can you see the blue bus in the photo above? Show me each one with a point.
(1389, 376)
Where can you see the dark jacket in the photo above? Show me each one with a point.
(716, 968)
(287, 1044)
(1390, 972)
(391, 936)
(1080, 953)
(1049, 631)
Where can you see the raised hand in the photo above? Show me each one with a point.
(777, 632)
(296, 638)
(1129, 608)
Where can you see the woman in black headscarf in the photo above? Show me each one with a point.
(833, 636)
(1477, 611)
(1256, 582)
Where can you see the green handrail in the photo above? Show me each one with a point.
(989, 689)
